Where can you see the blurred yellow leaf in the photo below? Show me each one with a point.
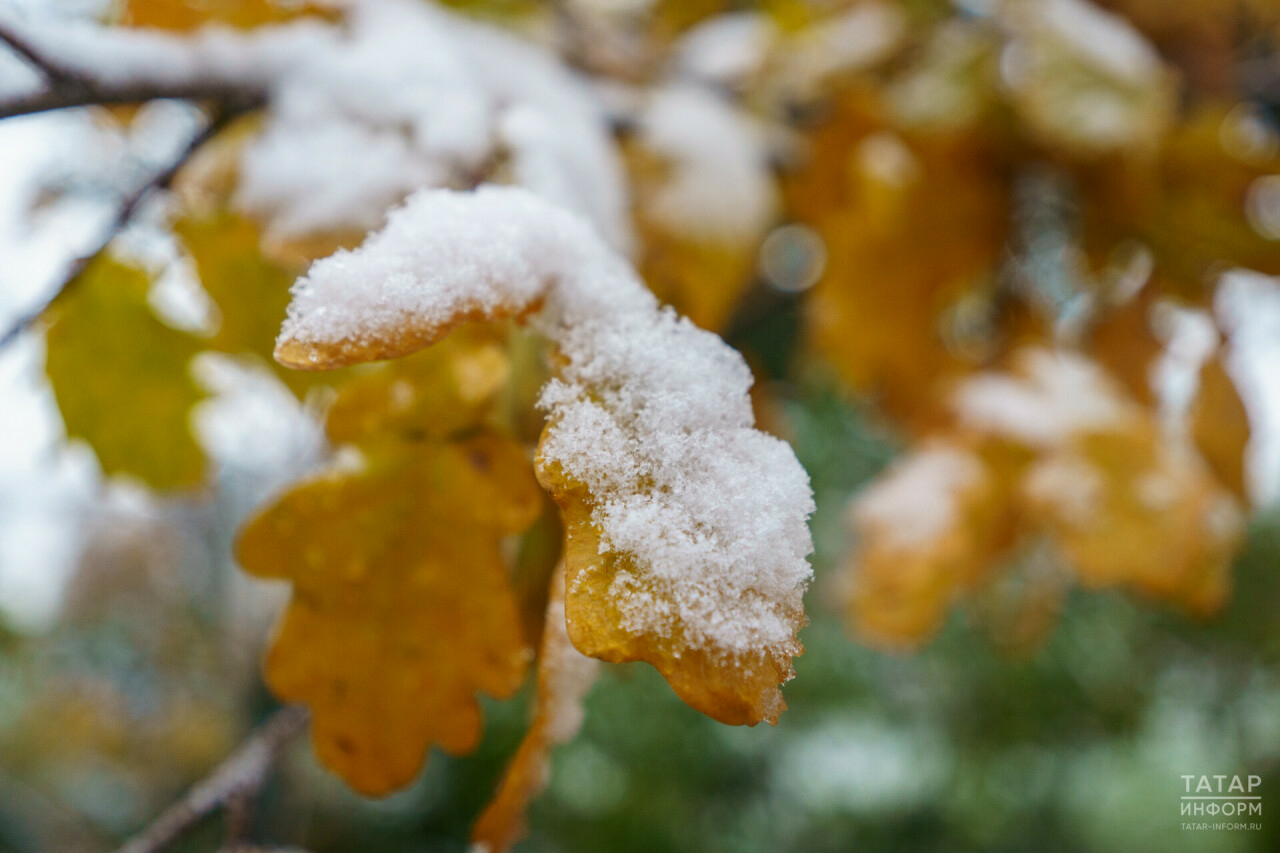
(121, 377)
(185, 15)
(926, 531)
(911, 226)
(1132, 507)
(1220, 425)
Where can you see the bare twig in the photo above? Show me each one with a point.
(243, 774)
(85, 93)
(124, 214)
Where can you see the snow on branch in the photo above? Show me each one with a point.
(648, 412)
(397, 96)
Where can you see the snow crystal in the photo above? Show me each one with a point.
(649, 412)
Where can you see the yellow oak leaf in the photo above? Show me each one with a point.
(121, 377)
(564, 677)
(401, 610)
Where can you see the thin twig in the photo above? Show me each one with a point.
(243, 774)
(86, 93)
(124, 214)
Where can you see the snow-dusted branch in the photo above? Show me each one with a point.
(84, 65)
(242, 774)
(129, 206)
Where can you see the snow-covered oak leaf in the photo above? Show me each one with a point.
(401, 609)
(687, 533)
(122, 377)
(926, 531)
(564, 677)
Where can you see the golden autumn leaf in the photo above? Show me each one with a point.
(927, 531)
(564, 677)
(121, 377)
(911, 225)
(401, 609)
(1130, 507)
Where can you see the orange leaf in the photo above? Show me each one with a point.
(401, 609)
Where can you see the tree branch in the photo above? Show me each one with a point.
(80, 92)
(128, 207)
(243, 774)
(52, 71)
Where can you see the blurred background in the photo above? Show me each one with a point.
(1004, 272)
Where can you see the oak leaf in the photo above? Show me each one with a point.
(401, 610)
(686, 534)
(121, 377)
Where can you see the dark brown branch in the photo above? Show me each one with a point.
(128, 207)
(243, 774)
(86, 93)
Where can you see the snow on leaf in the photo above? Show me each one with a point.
(121, 377)
(687, 532)
(564, 677)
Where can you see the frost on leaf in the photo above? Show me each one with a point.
(686, 527)
(564, 677)
(122, 379)
(402, 609)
